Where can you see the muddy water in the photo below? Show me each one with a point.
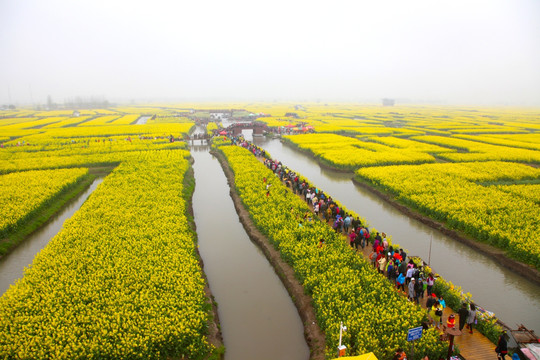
(512, 298)
(12, 266)
(258, 319)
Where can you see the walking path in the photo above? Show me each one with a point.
(471, 346)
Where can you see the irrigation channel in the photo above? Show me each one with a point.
(12, 265)
(257, 316)
(513, 299)
(142, 120)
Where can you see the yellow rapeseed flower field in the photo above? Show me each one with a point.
(343, 286)
(23, 193)
(121, 280)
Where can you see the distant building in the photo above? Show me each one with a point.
(218, 115)
(388, 102)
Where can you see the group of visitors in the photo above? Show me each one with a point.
(389, 261)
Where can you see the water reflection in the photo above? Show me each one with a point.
(512, 298)
(199, 148)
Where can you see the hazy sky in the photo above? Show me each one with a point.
(451, 51)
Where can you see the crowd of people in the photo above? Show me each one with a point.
(390, 261)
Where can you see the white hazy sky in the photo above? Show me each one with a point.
(448, 51)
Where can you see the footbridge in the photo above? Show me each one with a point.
(258, 128)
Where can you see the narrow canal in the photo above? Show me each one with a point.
(512, 298)
(258, 318)
(12, 266)
(142, 120)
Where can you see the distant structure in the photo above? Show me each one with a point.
(388, 102)
(293, 115)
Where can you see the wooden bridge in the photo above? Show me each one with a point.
(257, 127)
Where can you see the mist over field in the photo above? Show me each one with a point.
(484, 52)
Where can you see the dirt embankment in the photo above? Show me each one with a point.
(314, 336)
(524, 270)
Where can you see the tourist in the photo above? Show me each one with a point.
(419, 290)
(429, 304)
(442, 302)
(403, 255)
(502, 346)
(347, 223)
(378, 237)
(400, 282)
(402, 267)
(382, 263)
(352, 237)
(471, 319)
(366, 236)
(376, 243)
(430, 281)
(411, 286)
(358, 240)
(385, 242)
(373, 258)
(451, 322)
(409, 274)
(399, 355)
(430, 301)
(356, 223)
(390, 271)
(463, 315)
(436, 314)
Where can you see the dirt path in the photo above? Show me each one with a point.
(314, 336)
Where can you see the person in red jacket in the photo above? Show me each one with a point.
(451, 322)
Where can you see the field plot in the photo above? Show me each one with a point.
(126, 119)
(101, 120)
(528, 141)
(479, 151)
(23, 193)
(451, 193)
(348, 153)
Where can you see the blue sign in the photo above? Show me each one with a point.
(414, 334)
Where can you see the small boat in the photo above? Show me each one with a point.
(527, 344)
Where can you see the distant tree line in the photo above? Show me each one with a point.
(86, 103)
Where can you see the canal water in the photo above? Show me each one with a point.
(142, 120)
(514, 299)
(258, 318)
(12, 265)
